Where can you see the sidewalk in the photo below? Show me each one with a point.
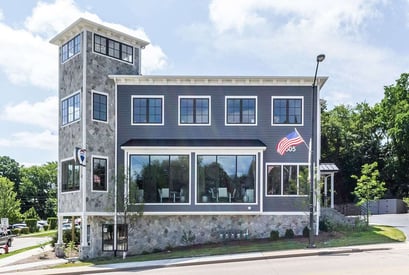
(33, 268)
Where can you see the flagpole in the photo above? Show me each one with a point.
(298, 133)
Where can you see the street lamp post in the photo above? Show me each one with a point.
(313, 144)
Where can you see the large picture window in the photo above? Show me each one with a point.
(71, 48)
(99, 106)
(194, 110)
(159, 179)
(70, 177)
(241, 111)
(112, 48)
(226, 178)
(99, 174)
(70, 109)
(147, 110)
(287, 179)
(287, 111)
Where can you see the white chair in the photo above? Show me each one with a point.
(139, 195)
(223, 193)
(250, 195)
(163, 193)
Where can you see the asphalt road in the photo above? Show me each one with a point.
(22, 242)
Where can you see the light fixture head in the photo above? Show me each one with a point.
(320, 57)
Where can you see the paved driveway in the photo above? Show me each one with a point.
(22, 242)
(400, 221)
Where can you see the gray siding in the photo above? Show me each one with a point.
(264, 131)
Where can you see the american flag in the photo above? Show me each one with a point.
(292, 139)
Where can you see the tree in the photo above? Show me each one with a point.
(38, 189)
(368, 187)
(350, 137)
(394, 116)
(9, 168)
(9, 204)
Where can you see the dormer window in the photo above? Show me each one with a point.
(113, 48)
(71, 48)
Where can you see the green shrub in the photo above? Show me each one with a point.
(289, 234)
(24, 230)
(274, 235)
(306, 232)
(16, 231)
(326, 225)
(52, 223)
(32, 225)
(66, 236)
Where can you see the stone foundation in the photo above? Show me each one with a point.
(155, 233)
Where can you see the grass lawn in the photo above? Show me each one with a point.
(374, 235)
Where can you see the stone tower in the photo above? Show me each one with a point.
(88, 53)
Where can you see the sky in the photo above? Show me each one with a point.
(365, 43)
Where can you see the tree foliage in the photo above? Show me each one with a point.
(9, 204)
(9, 168)
(368, 187)
(38, 190)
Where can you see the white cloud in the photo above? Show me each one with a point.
(27, 57)
(287, 35)
(45, 140)
(42, 114)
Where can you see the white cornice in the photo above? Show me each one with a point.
(85, 24)
(217, 80)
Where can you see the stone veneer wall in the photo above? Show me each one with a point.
(150, 233)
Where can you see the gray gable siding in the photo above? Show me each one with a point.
(263, 131)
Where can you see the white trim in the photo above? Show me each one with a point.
(60, 111)
(196, 97)
(83, 169)
(92, 106)
(287, 97)
(85, 24)
(282, 164)
(92, 173)
(189, 80)
(148, 97)
(201, 213)
(226, 98)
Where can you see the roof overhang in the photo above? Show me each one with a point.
(253, 144)
(328, 168)
(85, 24)
(217, 80)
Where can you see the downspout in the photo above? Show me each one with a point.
(116, 171)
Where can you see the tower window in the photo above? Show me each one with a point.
(71, 48)
(113, 48)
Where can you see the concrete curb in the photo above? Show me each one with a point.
(138, 266)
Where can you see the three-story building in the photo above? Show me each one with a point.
(149, 162)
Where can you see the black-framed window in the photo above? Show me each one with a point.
(112, 48)
(71, 48)
(287, 179)
(241, 110)
(226, 178)
(194, 110)
(159, 179)
(70, 176)
(99, 106)
(99, 174)
(147, 110)
(108, 237)
(70, 109)
(287, 111)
